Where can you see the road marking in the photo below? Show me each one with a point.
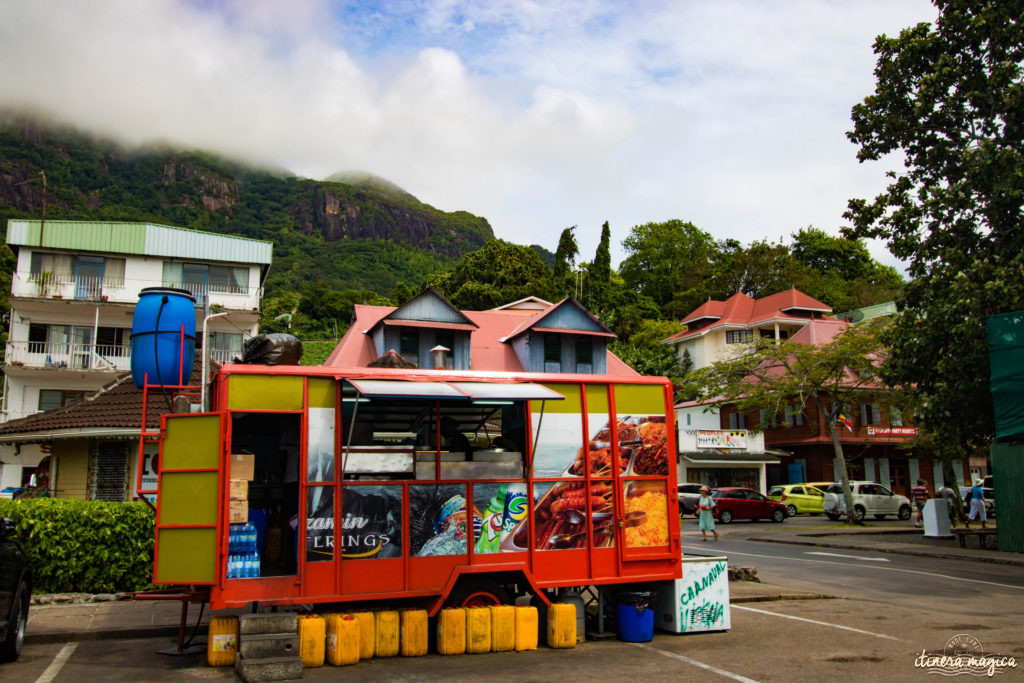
(865, 566)
(57, 664)
(852, 557)
(812, 621)
(694, 662)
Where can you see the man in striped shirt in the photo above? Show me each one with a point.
(920, 494)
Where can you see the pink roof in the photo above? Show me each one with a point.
(740, 310)
(819, 331)
(487, 351)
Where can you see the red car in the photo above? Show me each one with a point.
(737, 503)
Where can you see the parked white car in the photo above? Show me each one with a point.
(869, 498)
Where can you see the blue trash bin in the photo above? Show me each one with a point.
(635, 617)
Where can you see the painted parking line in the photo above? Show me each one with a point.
(694, 662)
(812, 621)
(57, 664)
(852, 557)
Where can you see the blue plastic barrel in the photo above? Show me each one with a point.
(636, 619)
(156, 337)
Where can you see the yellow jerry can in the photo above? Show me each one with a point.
(222, 644)
(526, 628)
(478, 630)
(503, 628)
(342, 639)
(415, 632)
(312, 639)
(367, 634)
(387, 627)
(562, 625)
(451, 631)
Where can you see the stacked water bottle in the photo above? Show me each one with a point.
(243, 557)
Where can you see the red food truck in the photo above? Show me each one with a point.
(307, 485)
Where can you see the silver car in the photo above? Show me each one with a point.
(869, 498)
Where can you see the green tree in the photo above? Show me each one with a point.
(759, 270)
(771, 375)
(402, 293)
(949, 101)
(497, 273)
(645, 353)
(670, 262)
(601, 272)
(565, 259)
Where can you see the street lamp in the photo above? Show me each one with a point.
(206, 360)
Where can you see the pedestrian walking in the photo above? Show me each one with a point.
(920, 494)
(977, 505)
(946, 493)
(706, 518)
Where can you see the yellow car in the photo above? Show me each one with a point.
(799, 498)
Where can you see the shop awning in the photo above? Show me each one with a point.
(477, 391)
(726, 458)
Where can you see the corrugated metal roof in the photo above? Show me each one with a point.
(139, 238)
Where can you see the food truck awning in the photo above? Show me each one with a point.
(509, 392)
(477, 391)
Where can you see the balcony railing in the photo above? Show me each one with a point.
(59, 356)
(67, 355)
(80, 288)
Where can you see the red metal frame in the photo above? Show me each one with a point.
(340, 580)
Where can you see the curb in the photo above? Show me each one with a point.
(894, 551)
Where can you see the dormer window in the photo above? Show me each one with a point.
(552, 352)
(446, 338)
(584, 355)
(409, 345)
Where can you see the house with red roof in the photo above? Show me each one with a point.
(716, 326)
(795, 444)
(530, 335)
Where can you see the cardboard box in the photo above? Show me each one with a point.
(239, 489)
(238, 511)
(243, 466)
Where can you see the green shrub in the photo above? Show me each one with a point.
(85, 546)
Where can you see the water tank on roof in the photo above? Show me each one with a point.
(163, 337)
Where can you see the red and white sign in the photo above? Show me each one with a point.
(892, 431)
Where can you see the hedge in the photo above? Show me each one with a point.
(77, 546)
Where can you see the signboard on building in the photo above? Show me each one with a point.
(718, 438)
(892, 431)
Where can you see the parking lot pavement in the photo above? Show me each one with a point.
(786, 640)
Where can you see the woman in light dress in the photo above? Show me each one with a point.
(706, 518)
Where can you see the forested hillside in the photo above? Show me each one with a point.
(361, 234)
(361, 239)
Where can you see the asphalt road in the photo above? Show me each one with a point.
(887, 610)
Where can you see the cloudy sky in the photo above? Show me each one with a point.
(537, 115)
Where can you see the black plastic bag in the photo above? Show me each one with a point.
(272, 349)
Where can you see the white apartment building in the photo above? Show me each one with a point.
(73, 296)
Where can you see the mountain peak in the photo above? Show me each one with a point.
(370, 181)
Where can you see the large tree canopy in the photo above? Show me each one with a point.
(950, 100)
(496, 274)
(670, 262)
